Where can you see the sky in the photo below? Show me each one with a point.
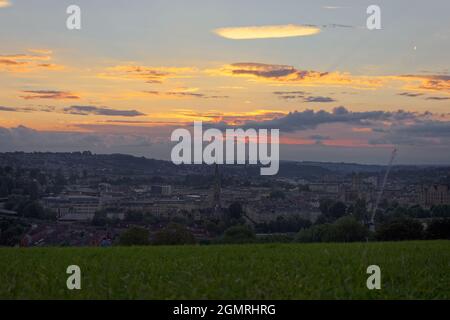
(137, 70)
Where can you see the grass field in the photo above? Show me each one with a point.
(410, 270)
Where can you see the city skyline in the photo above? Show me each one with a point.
(136, 71)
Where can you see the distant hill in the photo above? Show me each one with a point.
(132, 165)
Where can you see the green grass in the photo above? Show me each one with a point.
(410, 270)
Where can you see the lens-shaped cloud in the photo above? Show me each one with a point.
(265, 32)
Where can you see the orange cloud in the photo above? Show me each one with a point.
(36, 60)
(42, 51)
(184, 93)
(147, 74)
(336, 142)
(290, 75)
(48, 94)
(264, 32)
(362, 129)
(230, 118)
(427, 82)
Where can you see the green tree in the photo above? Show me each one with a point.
(33, 190)
(235, 210)
(417, 211)
(345, 229)
(337, 210)
(33, 210)
(100, 219)
(277, 194)
(438, 229)
(60, 179)
(325, 205)
(215, 227)
(348, 229)
(331, 211)
(238, 234)
(10, 233)
(134, 236)
(174, 234)
(400, 229)
(317, 233)
(440, 211)
(359, 211)
(134, 216)
(284, 224)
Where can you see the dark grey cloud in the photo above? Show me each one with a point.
(28, 109)
(410, 94)
(265, 70)
(139, 143)
(288, 97)
(442, 77)
(283, 93)
(216, 97)
(337, 25)
(134, 122)
(101, 111)
(310, 119)
(182, 94)
(427, 129)
(414, 95)
(438, 98)
(9, 109)
(319, 99)
(301, 95)
(442, 72)
(175, 94)
(45, 108)
(421, 133)
(49, 94)
(331, 25)
(319, 137)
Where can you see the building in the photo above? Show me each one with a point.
(161, 190)
(331, 188)
(434, 195)
(73, 208)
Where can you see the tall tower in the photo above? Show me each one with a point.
(216, 192)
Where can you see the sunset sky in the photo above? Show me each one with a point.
(139, 69)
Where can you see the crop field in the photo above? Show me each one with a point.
(409, 270)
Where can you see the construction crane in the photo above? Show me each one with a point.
(380, 193)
